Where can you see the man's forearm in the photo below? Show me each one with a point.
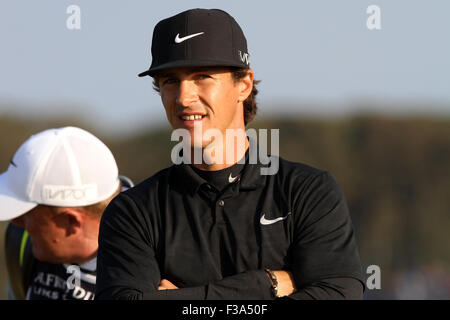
(123, 293)
(250, 285)
(331, 289)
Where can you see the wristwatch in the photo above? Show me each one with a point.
(273, 279)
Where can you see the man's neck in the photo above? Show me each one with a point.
(233, 152)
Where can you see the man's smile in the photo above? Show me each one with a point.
(188, 119)
(192, 117)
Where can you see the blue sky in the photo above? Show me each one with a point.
(313, 57)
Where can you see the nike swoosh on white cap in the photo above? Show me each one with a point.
(180, 40)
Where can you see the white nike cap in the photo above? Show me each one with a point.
(66, 167)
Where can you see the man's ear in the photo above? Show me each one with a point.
(71, 219)
(246, 86)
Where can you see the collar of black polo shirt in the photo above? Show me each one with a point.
(251, 177)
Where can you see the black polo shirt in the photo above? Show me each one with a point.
(215, 244)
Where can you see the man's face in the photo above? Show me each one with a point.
(47, 232)
(206, 96)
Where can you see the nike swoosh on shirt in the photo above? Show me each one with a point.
(231, 178)
(180, 40)
(265, 221)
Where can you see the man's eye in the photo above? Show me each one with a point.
(170, 81)
(203, 76)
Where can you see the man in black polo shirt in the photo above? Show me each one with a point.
(211, 229)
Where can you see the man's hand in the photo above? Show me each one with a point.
(286, 285)
(166, 285)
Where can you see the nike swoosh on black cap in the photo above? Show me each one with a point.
(209, 37)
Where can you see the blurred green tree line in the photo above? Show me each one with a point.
(394, 171)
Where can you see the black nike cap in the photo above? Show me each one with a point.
(198, 38)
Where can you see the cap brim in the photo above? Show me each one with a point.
(11, 206)
(191, 63)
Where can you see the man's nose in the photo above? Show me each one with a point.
(187, 93)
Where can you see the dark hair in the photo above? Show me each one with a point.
(250, 106)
